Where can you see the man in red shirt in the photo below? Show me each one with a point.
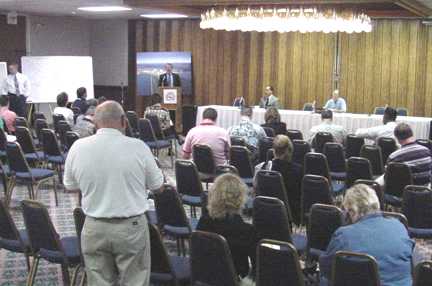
(7, 115)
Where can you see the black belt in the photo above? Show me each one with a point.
(116, 218)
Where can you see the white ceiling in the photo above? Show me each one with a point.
(69, 8)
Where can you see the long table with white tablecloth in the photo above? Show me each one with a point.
(304, 120)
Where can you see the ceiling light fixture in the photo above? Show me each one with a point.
(104, 8)
(303, 20)
(163, 16)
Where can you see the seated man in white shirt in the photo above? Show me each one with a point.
(336, 103)
(339, 133)
(386, 130)
(61, 109)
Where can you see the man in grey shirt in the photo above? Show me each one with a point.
(114, 174)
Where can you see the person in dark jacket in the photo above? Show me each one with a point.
(273, 120)
(226, 199)
(291, 173)
(81, 102)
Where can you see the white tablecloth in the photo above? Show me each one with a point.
(304, 120)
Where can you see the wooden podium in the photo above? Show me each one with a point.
(172, 100)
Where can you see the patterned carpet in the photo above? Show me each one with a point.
(13, 270)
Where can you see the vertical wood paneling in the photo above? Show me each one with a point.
(392, 65)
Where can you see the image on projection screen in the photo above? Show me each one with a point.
(50, 76)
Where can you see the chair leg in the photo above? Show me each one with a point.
(55, 191)
(11, 187)
(178, 246)
(65, 275)
(27, 257)
(33, 270)
(83, 278)
(75, 274)
(31, 192)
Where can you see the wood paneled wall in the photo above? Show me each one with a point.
(12, 40)
(393, 64)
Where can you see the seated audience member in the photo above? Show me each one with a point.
(292, 173)
(7, 115)
(269, 99)
(386, 130)
(417, 157)
(208, 133)
(84, 125)
(80, 102)
(273, 120)
(336, 103)
(163, 115)
(246, 129)
(101, 99)
(339, 133)
(61, 109)
(386, 239)
(227, 197)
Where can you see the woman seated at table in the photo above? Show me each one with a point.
(273, 120)
(227, 197)
(291, 173)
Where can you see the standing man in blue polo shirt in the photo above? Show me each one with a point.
(336, 103)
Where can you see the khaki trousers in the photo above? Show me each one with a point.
(116, 251)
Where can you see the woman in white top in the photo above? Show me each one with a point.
(61, 109)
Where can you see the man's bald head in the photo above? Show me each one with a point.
(110, 114)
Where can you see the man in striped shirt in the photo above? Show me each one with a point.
(417, 157)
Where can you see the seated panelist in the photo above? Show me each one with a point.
(336, 103)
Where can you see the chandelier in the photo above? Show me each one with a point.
(303, 20)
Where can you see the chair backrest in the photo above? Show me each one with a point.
(71, 137)
(398, 216)
(3, 140)
(16, 159)
(203, 158)
(358, 168)
(50, 144)
(8, 229)
(316, 164)
(278, 264)
(63, 127)
(238, 141)
(388, 146)
(224, 169)
(324, 220)
(169, 208)
(376, 187)
(271, 184)
(374, 155)
(187, 178)
(402, 111)
(264, 145)
(320, 139)
(38, 115)
(56, 119)
(353, 145)
(397, 177)
(39, 125)
(335, 156)
(423, 274)
(270, 219)
(379, 110)
(354, 269)
(160, 263)
(79, 219)
(240, 158)
(301, 148)
(211, 261)
(308, 106)
(417, 206)
(40, 229)
(156, 125)
(21, 121)
(294, 134)
(425, 142)
(269, 131)
(314, 190)
(270, 155)
(133, 120)
(25, 139)
(145, 130)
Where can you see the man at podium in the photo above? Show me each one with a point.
(169, 79)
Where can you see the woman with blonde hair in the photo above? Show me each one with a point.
(273, 120)
(226, 199)
(291, 173)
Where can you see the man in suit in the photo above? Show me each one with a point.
(169, 79)
(269, 100)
